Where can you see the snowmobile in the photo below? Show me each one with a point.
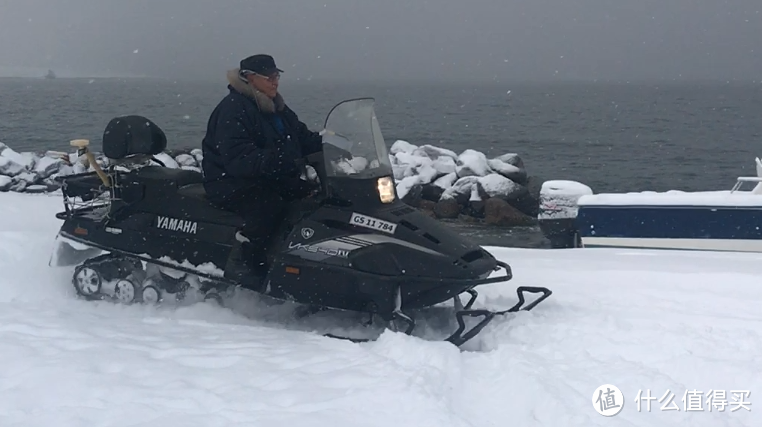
(138, 231)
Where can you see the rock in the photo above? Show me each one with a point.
(25, 161)
(499, 212)
(167, 160)
(197, 154)
(525, 202)
(496, 185)
(185, 160)
(512, 159)
(47, 166)
(413, 197)
(446, 181)
(476, 208)
(18, 186)
(401, 146)
(508, 170)
(9, 167)
(405, 184)
(427, 173)
(427, 207)
(472, 162)
(5, 183)
(191, 168)
(28, 177)
(36, 189)
(30, 160)
(466, 189)
(447, 209)
(434, 153)
(431, 192)
(460, 187)
(444, 165)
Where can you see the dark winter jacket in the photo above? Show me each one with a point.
(252, 140)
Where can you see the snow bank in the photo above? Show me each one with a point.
(650, 321)
(426, 176)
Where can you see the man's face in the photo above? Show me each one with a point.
(265, 84)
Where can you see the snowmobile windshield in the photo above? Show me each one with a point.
(352, 142)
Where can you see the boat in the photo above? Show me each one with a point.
(725, 220)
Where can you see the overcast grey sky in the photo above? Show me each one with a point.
(390, 39)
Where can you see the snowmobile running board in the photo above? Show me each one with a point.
(458, 338)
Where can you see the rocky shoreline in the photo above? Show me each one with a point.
(465, 187)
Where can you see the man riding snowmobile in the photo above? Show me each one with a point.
(251, 148)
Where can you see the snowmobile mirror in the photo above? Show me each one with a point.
(82, 145)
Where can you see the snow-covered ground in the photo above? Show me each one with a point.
(639, 320)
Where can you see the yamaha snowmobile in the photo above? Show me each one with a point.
(138, 231)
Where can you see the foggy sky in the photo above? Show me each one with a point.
(390, 39)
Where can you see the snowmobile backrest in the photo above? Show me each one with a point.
(133, 135)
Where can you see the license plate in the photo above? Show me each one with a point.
(372, 223)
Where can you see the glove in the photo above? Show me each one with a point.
(297, 188)
(286, 157)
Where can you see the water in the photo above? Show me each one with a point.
(612, 137)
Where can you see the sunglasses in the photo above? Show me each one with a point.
(271, 78)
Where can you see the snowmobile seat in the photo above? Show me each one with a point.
(197, 192)
(131, 136)
(180, 177)
(194, 190)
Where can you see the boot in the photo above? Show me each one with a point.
(245, 267)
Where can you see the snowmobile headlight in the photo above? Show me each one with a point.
(385, 187)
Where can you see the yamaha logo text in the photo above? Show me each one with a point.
(174, 224)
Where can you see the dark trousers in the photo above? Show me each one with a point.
(262, 210)
(263, 207)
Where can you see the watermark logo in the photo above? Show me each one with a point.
(697, 401)
(608, 400)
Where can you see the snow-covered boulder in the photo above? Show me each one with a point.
(25, 161)
(186, 160)
(167, 160)
(472, 162)
(198, 155)
(442, 182)
(401, 146)
(47, 166)
(508, 170)
(5, 183)
(9, 167)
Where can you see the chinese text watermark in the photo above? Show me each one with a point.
(608, 400)
(697, 401)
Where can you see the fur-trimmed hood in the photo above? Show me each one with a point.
(265, 104)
